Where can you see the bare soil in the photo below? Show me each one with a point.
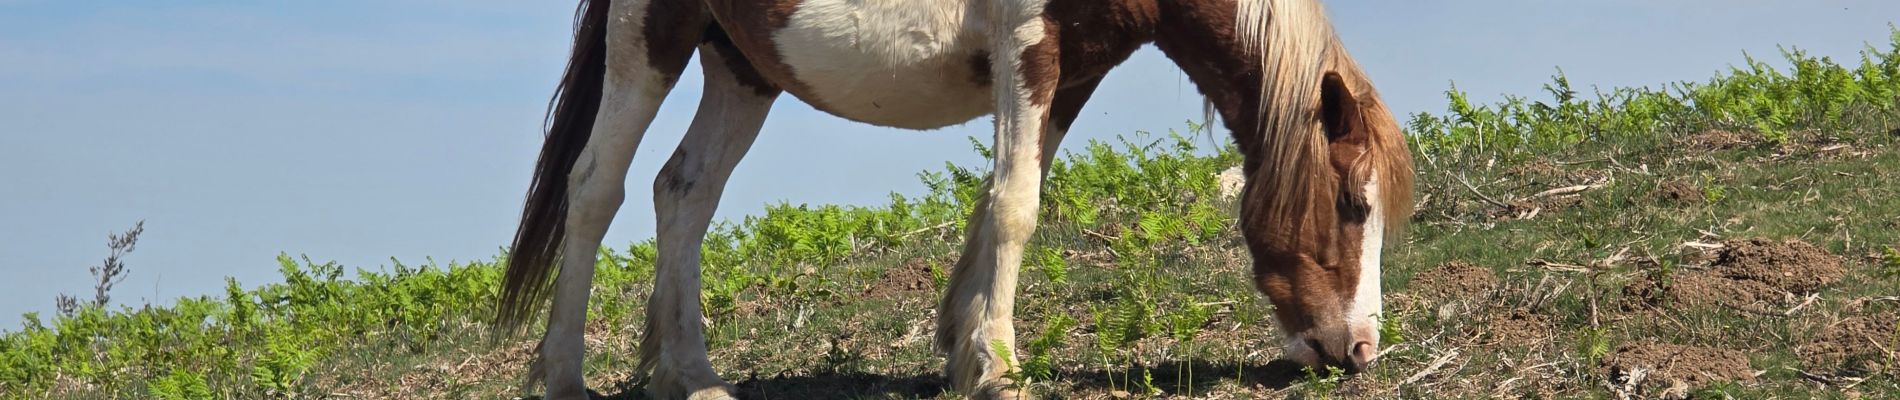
(1680, 191)
(1662, 370)
(1790, 265)
(1515, 327)
(911, 278)
(1755, 275)
(1453, 280)
(1712, 140)
(1856, 346)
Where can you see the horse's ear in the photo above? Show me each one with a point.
(1347, 134)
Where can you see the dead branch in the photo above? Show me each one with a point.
(1566, 190)
(928, 228)
(1481, 195)
(1430, 368)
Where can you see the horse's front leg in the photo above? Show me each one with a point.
(975, 316)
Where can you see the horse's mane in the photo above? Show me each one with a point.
(1297, 46)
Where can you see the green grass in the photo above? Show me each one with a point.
(1137, 281)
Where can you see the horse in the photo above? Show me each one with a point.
(1327, 172)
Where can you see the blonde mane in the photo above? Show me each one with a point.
(1297, 47)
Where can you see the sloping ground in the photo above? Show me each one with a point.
(1779, 289)
(1731, 239)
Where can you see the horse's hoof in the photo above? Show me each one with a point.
(1001, 389)
(692, 384)
(723, 392)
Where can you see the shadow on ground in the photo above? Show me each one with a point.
(1189, 377)
(1174, 377)
(824, 385)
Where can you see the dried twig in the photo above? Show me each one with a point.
(1702, 245)
(1595, 160)
(1099, 235)
(1557, 266)
(1805, 303)
(1430, 368)
(1823, 379)
(1481, 195)
(1566, 190)
(929, 228)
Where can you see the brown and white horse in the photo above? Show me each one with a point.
(1328, 174)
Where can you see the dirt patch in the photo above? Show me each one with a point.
(1516, 327)
(1681, 191)
(1860, 346)
(915, 276)
(1716, 140)
(1790, 265)
(1755, 275)
(1701, 289)
(1453, 280)
(1662, 370)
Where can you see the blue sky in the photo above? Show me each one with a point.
(357, 131)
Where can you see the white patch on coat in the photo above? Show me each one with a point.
(1363, 314)
(892, 63)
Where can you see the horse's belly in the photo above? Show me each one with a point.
(890, 63)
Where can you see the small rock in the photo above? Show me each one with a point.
(1231, 181)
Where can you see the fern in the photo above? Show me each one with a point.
(1041, 363)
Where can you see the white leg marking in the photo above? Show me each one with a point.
(685, 195)
(632, 94)
(981, 300)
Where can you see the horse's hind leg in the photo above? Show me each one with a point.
(640, 70)
(685, 194)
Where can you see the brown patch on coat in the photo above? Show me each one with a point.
(671, 30)
(750, 25)
(1114, 30)
(1109, 32)
(1199, 37)
(1042, 66)
(742, 70)
(980, 68)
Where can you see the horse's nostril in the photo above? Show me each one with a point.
(1364, 351)
(1361, 357)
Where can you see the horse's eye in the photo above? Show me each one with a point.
(1353, 207)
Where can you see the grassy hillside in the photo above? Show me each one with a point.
(1734, 237)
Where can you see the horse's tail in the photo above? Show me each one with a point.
(570, 120)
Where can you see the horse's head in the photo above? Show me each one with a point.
(1329, 180)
